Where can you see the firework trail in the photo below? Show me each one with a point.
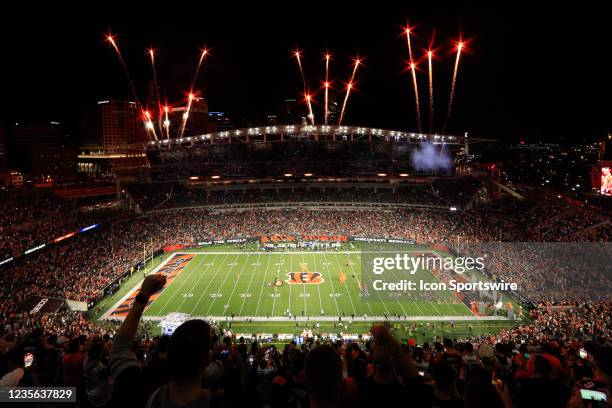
(416, 96)
(327, 57)
(186, 115)
(431, 100)
(167, 121)
(414, 81)
(349, 86)
(149, 124)
(310, 113)
(408, 32)
(197, 70)
(151, 52)
(297, 55)
(191, 94)
(112, 42)
(451, 98)
(299, 61)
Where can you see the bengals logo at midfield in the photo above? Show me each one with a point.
(304, 277)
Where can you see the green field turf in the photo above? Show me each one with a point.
(222, 284)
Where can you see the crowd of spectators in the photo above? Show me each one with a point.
(31, 217)
(161, 196)
(548, 363)
(24, 211)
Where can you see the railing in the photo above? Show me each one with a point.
(308, 205)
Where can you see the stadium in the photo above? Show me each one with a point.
(307, 259)
(279, 260)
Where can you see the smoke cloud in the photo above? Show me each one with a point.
(428, 157)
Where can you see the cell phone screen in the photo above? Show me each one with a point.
(28, 359)
(582, 353)
(593, 395)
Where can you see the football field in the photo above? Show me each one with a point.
(318, 285)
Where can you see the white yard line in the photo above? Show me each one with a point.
(196, 284)
(195, 270)
(263, 284)
(319, 286)
(284, 319)
(212, 279)
(348, 292)
(433, 303)
(285, 252)
(365, 297)
(236, 283)
(331, 281)
(400, 303)
(304, 290)
(276, 287)
(222, 285)
(447, 303)
(249, 287)
(290, 286)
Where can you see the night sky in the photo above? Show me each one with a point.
(530, 73)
